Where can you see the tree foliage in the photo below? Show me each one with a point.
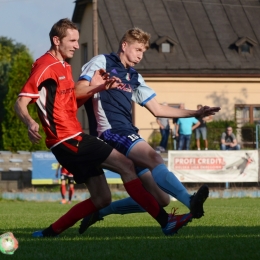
(15, 66)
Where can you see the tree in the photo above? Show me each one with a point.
(16, 66)
(8, 50)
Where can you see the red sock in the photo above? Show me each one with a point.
(138, 193)
(71, 192)
(76, 213)
(63, 190)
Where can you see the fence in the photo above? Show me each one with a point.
(247, 137)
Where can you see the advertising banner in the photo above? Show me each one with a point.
(214, 166)
(44, 166)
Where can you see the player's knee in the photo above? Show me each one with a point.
(105, 202)
(102, 201)
(128, 168)
(165, 201)
(155, 158)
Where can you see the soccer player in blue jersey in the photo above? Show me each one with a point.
(110, 118)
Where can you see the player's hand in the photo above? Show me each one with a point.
(113, 82)
(101, 77)
(33, 133)
(207, 111)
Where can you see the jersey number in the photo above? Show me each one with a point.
(133, 137)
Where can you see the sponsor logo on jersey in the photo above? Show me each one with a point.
(62, 77)
(125, 87)
(114, 71)
(127, 76)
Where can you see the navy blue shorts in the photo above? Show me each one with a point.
(123, 142)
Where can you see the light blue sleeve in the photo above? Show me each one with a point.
(88, 69)
(143, 93)
(195, 121)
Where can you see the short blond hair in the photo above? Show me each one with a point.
(136, 35)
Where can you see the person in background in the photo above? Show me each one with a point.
(229, 140)
(174, 131)
(164, 126)
(65, 176)
(201, 130)
(184, 128)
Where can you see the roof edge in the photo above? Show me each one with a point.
(79, 10)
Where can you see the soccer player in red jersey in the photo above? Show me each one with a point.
(65, 176)
(51, 87)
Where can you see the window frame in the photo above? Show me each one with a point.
(251, 108)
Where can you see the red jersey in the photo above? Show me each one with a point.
(65, 172)
(51, 86)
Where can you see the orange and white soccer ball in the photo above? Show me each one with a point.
(8, 243)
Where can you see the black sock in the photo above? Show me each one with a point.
(162, 218)
(48, 232)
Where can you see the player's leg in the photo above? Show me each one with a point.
(100, 196)
(119, 163)
(124, 142)
(142, 154)
(71, 188)
(128, 205)
(82, 159)
(63, 189)
(170, 223)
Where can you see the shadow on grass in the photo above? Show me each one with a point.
(198, 242)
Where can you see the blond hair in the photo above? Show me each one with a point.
(136, 35)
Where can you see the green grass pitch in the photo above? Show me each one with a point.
(230, 229)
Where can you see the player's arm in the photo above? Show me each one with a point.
(159, 110)
(100, 81)
(21, 110)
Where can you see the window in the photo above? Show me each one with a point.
(166, 47)
(244, 45)
(165, 44)
(247, 114)
(245, 48)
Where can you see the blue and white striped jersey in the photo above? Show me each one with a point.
(112, 109)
